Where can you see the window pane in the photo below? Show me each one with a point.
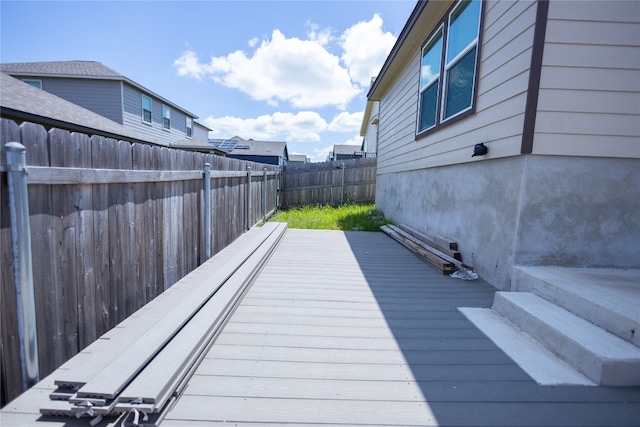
(146, 109)
(428, 106)
(431, 60)
(189, 126)
(463, 28)
(166, 117)
(35, 83)
(460, 80)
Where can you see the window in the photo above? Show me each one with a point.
(189, 127)
(146, 109)
(447, 82)
(166, 117)
(430, 81)
(35, 83)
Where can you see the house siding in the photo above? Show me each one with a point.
(133, 117)
(371, 134)
(200, 132)
(270, 160)
(590, 82)
(100, 96)
(565, 203)
(505, 59)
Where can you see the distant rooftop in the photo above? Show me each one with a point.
(62, 69)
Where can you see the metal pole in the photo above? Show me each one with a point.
(248, 197)
(22, 263)
(207, 211)
(277, 188)
(342, 184)
(264, 195)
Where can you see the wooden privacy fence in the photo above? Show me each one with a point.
(329, 183)
(113, 225)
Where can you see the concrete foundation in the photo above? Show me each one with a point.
(526, 210)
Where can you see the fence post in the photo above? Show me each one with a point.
(264, 195)
(342, 184)
(248, 197)
(276, 196)
(207, 211)
(22, 262)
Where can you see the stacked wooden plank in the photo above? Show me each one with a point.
(142, 364)
(441, 253)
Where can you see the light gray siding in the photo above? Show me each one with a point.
(371, 135)
(590, 82)
(572, 202)
(133, 117)
(100, 96)
(505, 59)
(200, 132)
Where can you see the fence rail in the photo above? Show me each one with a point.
(336, 182)
(113, 225)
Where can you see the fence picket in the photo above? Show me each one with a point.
(105, 247)
(322, 183)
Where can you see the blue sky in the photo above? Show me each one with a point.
(295, 71)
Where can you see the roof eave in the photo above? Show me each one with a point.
(10, 113)
(399, 52)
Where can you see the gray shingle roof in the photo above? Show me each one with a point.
(62, 69)
(260, 148)
(345, 149)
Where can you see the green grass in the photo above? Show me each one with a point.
(348, 217)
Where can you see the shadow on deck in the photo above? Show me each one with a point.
(464, 378)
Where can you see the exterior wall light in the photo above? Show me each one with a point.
(480, 150)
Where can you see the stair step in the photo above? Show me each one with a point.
(609, 298)
(544, 366)
(600, 355)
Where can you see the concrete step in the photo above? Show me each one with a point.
(608, 298)
(601, 356)
(540, 363)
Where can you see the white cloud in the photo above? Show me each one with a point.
(189, 65)
(321, 36)
(365, 48)
(302, 126)
(301, 72)
(356, 140)
(321, 154)
(346, 122)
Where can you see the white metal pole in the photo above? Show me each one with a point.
(22, 262)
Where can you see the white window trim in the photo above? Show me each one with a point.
(187, 127)
(168, 109)
(143, 96)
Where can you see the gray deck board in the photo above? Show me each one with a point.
(352, 329)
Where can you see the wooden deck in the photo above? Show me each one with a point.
(352, 329)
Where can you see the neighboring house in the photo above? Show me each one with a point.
(298, 159)
(21, 102)
(344, 152)
(104, 91)
(269, 152)
(552, 89)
